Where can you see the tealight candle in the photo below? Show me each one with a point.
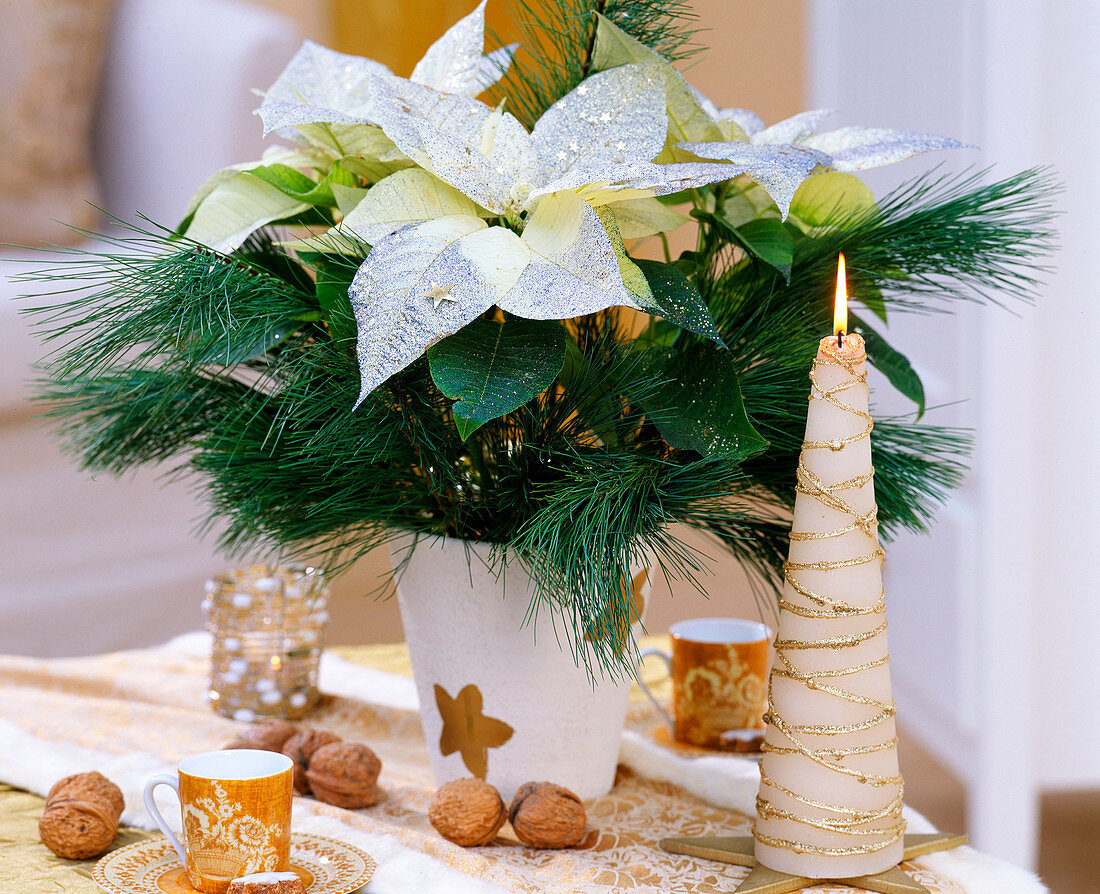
(267, 625)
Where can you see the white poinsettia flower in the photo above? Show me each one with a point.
(556, 251)
(779, 157)
(847, 149)
(550, 256)
(859, 148)
(456, 62)
(491, 212)
(320, 100)
(322, 86)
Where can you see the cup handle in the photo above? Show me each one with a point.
(667, 658)
(154, 812)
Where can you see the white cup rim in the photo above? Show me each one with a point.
(235, 763)
(733, 631)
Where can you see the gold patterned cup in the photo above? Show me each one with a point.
(719, 669)
(235, 806)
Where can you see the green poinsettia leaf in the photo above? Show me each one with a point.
(870, 296)
(677, 299)
(688, 263)
(333, 282)
(891, 363)
(291, 181)
(747, 200)
(663, 333)
(298, 186)
(699, 406)
(491, 368)
(767, 239)
(676, 198)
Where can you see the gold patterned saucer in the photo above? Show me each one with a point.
(660, 734)
(326, 866)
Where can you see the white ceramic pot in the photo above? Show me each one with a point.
(499, 698)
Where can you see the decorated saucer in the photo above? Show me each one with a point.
(660, 734)
(326, 866)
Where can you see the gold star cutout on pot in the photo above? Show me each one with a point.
(437, 294)
(738, 849)
(467, 730)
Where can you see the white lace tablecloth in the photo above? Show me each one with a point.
(131, 715)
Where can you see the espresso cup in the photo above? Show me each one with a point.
(235, 806)
(719, 669)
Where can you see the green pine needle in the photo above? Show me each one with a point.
(557, 40)
(157, 303)
(156, 365)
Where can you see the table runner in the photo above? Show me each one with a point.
(133, 714)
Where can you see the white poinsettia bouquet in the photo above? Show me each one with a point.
(426, 310)
(460, 208)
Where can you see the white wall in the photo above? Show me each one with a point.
(994, 617)
(1068, 424)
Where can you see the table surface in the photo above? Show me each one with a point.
(151, 704)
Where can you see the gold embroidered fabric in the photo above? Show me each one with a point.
(151, 703)
(27, 865)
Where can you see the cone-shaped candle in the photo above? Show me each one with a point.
(830, 792)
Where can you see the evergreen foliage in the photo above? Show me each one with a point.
(241, 369)
(557, 39)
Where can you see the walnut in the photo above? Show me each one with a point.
(271, 735)
(344, 774)
(547, 815)
(81, 816)
(467, 811)
(300, 748)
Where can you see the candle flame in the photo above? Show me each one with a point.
(840, 309)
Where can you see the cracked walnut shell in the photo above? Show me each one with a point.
(545, 815)
(468, 812)
(271, 735)
(80, 819)
(344, 774)
(300, 748)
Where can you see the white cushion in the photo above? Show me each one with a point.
(95, 563)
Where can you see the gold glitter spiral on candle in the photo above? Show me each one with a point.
(868, 831)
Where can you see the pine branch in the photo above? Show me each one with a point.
(127, 417)
(577, 482)
(557, 39)
(155, 302)
(666, 26)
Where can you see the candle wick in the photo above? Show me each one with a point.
(840, 339)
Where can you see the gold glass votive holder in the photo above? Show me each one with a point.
(267, 624)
